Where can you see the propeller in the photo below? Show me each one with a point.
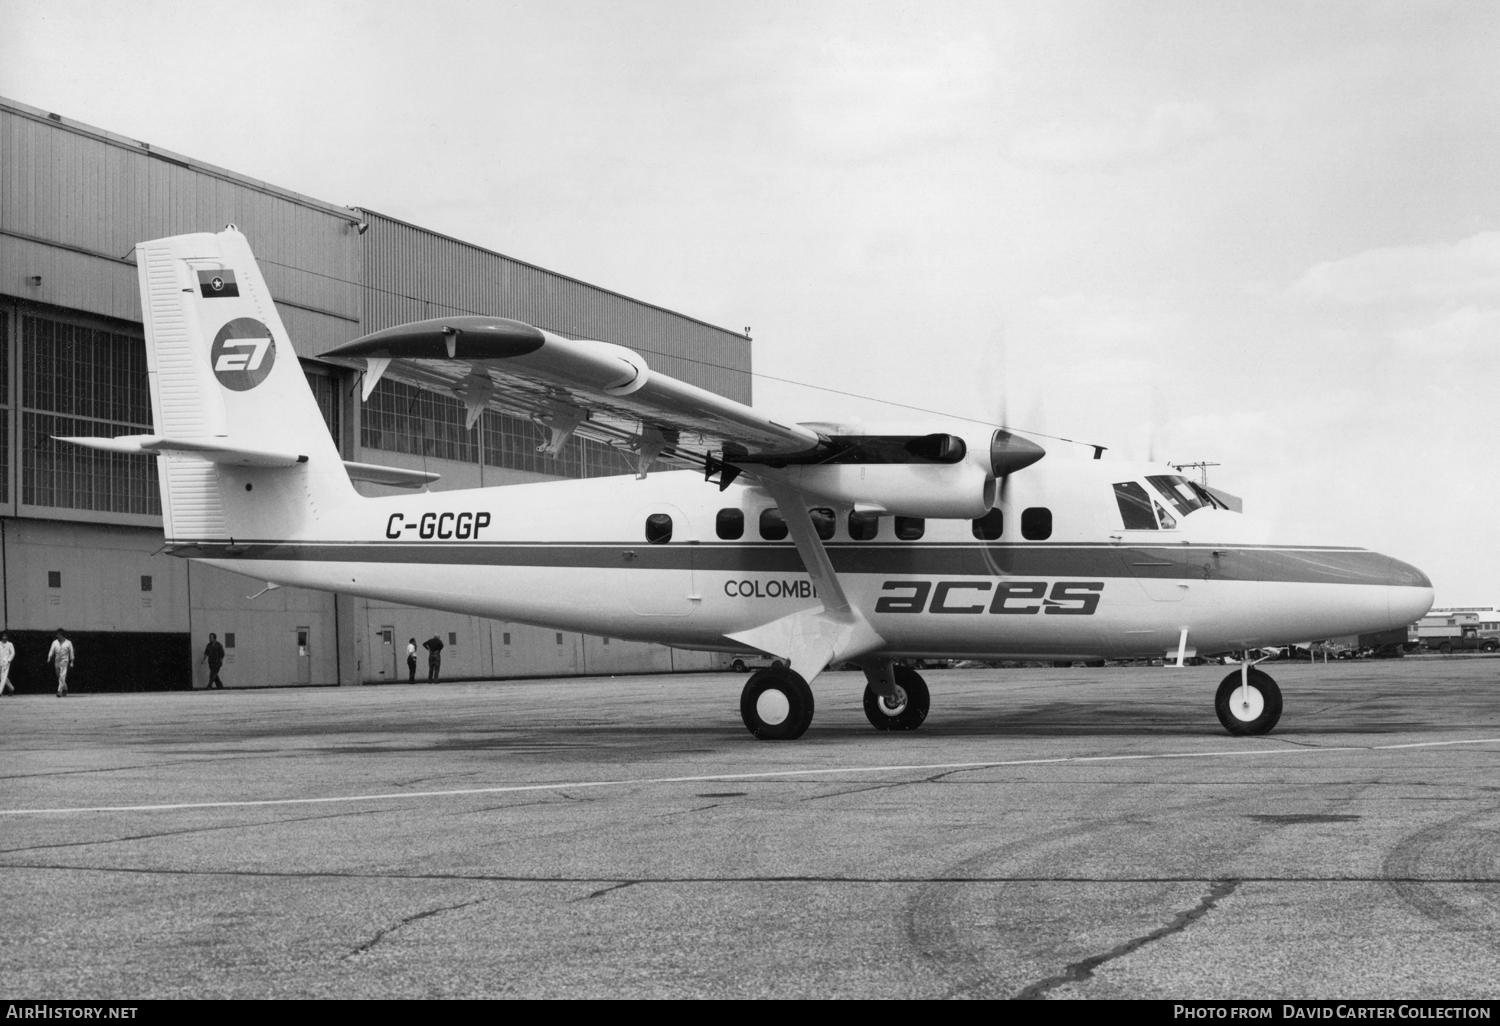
(1009, 451)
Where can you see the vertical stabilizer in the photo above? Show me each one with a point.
(224, 374)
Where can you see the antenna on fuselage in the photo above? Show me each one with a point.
(1202, 469)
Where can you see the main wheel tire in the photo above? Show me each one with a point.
(1255, 712)
(910, 710)
(777, 704)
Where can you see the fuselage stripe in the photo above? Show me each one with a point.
(1185, 562)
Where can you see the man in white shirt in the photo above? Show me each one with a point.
(7, 656)
(60, 655)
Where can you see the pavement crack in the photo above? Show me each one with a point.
(605, 890)
(1084, 969)
(178, 833)
(935, 778)
(383, 934)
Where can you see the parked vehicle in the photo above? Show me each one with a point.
(1449, 632)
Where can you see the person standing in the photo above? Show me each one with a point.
(213, 654)
(60, 655)
(411, 660)
(7, 656)
(434, 647)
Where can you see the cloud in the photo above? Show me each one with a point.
(1466, 330)
(1465, 270)
(1166, 129)
(856, 98)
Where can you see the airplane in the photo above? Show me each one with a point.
(815, 544)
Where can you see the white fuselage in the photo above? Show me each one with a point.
(574, 555)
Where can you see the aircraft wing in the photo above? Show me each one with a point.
(596, 389)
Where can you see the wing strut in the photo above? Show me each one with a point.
(810, 639)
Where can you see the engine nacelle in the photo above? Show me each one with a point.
(941, 491)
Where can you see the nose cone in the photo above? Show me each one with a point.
(1409, 594)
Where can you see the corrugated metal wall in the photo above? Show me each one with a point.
(75, 200)
(412, 274)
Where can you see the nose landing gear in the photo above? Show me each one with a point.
(1248, 702)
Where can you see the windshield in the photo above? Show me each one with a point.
(1181, 492)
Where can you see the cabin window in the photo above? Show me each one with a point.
(823, 521)
(864, 526)
(658, 529)
(730, 524)
(1135, 507)
(1180, 492)
(1036, 523)
(772, 527)
(990, 526)
(910, 528)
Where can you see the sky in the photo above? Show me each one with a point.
(1263, 235)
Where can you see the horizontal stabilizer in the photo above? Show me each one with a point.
(213, 452)
(396, 477)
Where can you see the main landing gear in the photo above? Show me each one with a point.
(777, 704)
(1248, 702)
(904, 703)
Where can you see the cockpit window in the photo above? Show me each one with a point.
(1135, 507)
(1180, 492)
(1168, 522)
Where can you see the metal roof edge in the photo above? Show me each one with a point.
(350, 213)
(191, 163)
(556, 274)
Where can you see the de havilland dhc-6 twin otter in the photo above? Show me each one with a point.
(811, 543)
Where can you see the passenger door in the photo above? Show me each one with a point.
(659, 568)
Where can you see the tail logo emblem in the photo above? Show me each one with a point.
(243, 354)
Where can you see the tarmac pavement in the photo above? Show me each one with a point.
(1049, 833)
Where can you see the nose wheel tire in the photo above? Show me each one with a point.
(1246, 710)
(776, 705)
(908, 710)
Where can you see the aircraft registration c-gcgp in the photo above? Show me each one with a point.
(812, 543)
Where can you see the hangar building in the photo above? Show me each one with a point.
(80, 530)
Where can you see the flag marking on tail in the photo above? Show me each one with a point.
(218, 284)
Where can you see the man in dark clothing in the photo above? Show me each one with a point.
(411, 660)
(434, 647)
(214, 656)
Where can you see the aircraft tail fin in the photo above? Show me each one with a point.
(244, 452)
